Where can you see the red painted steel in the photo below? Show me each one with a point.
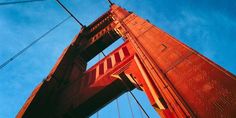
(191, 85)
(178, 81)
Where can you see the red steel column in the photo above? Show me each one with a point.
(191, 84)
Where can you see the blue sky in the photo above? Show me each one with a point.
(208, 26)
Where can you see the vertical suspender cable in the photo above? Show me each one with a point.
(103, 54)
(97, 114)
(99, 57)
(139, 104)
(130, 105)
(117, 102)
(118, 109)
(136, 100)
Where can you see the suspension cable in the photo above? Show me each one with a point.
(139, 104)
(97, 115)
(103, 54)
(31, 44)
(111, 3)
(19, 2)
(136, 100)
(70, 13)
(140, 111)
(130, 107)
(99, 58)
(118, 108)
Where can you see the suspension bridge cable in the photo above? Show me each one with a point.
(70, 13)
(32, 43)
(103, 54)
(130, 107)
(19, 2)
(118, 108)
(136, 100)
(99, 57)
(111, 3)
(97, 115)
(139, 104)
(140, 111)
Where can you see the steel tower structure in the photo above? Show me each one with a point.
(178, 81)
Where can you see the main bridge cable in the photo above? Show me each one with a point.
(136, 100)
(140, 107)
(111, 3)
(32, 43)
(19, 2)
(70, 14)
(140, 111)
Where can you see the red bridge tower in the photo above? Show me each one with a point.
(178, 81)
